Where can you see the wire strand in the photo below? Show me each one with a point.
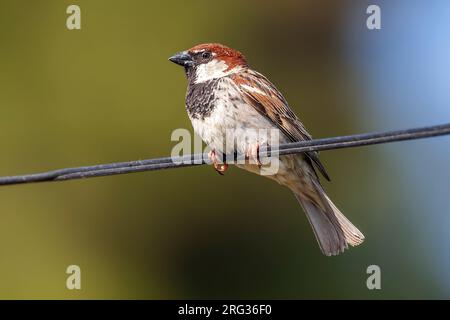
(200, 159)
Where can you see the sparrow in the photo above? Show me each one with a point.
(224, 94)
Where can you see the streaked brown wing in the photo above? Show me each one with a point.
(261, 94)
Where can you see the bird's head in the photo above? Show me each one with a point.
(209, 61)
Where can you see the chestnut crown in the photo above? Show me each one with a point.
(209, 60)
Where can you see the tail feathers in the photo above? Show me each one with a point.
(333, 231)
(352, 235)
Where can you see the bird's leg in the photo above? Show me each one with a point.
(219, 166)
(252, 155)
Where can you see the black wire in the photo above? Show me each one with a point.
(200, 159)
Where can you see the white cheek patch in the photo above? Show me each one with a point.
(211, 70)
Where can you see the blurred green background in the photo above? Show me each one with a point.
(107, 93)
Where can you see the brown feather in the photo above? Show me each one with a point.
(232, 57)
(268, 101)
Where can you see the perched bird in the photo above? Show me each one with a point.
(225, 94)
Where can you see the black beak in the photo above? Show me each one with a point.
(183, 59)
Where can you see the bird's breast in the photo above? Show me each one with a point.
(222, 118)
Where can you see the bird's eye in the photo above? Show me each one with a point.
(206, 55)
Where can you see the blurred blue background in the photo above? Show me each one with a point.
(107, 93)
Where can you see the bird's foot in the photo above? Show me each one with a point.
(252, 155)
(219, 165)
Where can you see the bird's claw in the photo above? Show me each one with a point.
(219, 166)
(252, 155)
